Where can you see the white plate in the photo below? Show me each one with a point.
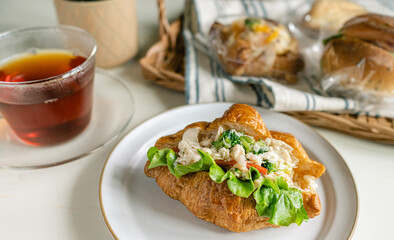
(113, 108)
(134, 207)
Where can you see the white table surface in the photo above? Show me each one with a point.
(62, 202)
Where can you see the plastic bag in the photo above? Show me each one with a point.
(253, 46)
(240, 45)
(353, 60)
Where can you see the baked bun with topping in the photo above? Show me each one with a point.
(361, 57)
(330, 15)
(237, 174)
(257, 47)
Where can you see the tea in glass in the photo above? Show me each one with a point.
(46, 93)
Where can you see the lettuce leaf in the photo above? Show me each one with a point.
(202, 165)
(242, 188)
(283, 205)
(167, 157)
(157, 157)
(274, 199)
(171, 157)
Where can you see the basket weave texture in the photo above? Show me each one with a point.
(164, 64)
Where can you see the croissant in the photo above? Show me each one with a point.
(218, 203)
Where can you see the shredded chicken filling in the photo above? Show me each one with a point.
(271, 151)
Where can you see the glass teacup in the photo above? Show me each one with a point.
(45, 100)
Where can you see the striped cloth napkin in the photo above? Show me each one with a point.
(206, 81)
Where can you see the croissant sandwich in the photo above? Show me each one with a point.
(257, 47)
(362, 55)
(237, 174)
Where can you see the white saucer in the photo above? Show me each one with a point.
(113, 108)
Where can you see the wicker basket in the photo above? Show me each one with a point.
(164, 65)
(164, 61)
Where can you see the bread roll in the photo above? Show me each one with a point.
(330, 15)
(361, 57)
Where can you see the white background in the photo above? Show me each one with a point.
(62, 202)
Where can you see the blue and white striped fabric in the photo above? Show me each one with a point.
(207, 82)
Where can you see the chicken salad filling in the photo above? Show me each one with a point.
(238, 152)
